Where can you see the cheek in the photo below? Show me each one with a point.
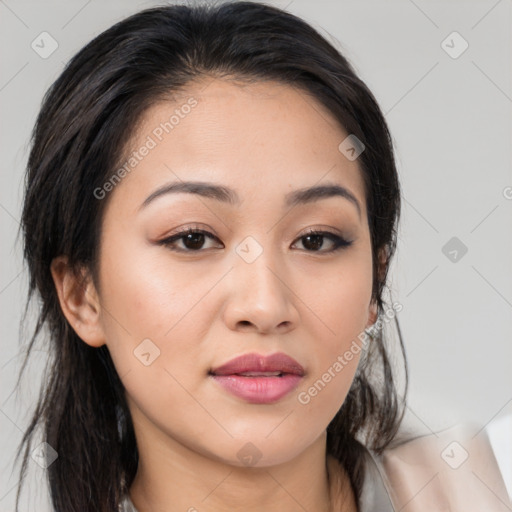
(337, 360)
(338, 313)
(320, 400)
(338, 298)
(145, 295)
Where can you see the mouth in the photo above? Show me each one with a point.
(256, 365)
(260, 374)
(259, 379)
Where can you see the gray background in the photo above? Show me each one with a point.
(451, 123)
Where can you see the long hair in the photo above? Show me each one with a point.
(86, 118)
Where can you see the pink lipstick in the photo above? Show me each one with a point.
(259, 379)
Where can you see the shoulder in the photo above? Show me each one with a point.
(450, 470)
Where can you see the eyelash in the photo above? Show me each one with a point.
(338, 241)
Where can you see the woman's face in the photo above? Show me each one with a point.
(247, 280)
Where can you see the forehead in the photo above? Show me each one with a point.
(259, 137)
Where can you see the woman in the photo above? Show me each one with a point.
(210, 214)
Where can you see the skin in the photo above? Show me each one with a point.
(203, 308)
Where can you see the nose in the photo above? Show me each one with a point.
(260, 299)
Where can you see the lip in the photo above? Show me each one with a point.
(259, 389)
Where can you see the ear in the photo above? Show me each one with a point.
(372, 314)
(373, 311)
(79, 301)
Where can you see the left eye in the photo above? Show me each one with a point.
(315, 241)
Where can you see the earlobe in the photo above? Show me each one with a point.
(79, 301)
(372, 315)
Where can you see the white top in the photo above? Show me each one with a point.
(453, 470)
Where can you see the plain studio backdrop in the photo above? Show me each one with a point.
(441, 71)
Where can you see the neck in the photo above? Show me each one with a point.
(172, 478)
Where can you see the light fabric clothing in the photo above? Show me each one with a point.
(454, 470)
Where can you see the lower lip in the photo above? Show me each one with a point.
(259, 390)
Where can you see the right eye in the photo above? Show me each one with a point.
(191, 240)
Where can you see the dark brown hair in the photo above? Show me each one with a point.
(78, 140)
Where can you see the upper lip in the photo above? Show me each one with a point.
(278, 362)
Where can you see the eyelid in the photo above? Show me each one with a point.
(186, 228)
(321, 231)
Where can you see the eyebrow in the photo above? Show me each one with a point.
(228, 195)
